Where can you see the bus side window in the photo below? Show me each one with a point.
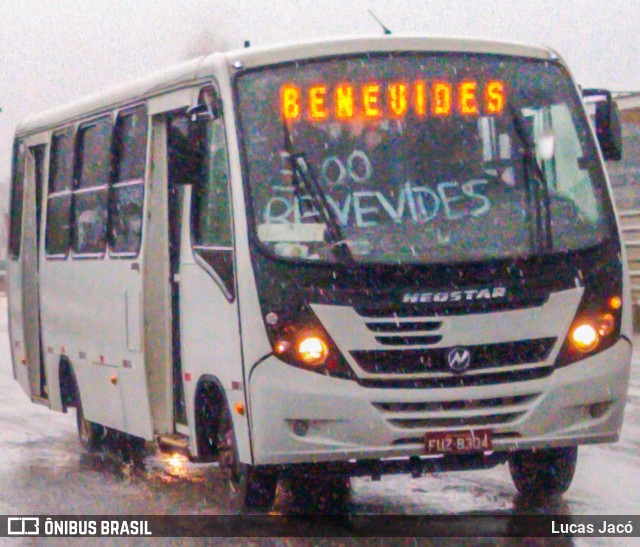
(127, 191)
(59, 194)
(17, 194)
(92, 174)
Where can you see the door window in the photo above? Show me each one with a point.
(127, 192)
(17, 195)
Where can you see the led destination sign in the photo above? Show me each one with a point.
(375, 100)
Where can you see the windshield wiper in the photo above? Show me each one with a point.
(531, 166)
(302, 172)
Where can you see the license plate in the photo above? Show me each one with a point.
(458, 442)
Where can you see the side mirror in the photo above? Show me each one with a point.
(209, 106)
(189, 147)
(185, 150)
(200, 112)
(607, 120)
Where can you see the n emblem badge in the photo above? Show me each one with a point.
(459, 359)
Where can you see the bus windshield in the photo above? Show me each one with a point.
(420, 158)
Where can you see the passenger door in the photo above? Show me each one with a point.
(30, 281)
(24, 269)
(15, 268)
(209, 320)
(192, 326)
(162, 245)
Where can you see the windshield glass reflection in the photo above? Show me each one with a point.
(421, 159)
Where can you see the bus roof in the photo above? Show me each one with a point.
(182, 74)
(259, 56)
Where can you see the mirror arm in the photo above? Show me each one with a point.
(607, 121)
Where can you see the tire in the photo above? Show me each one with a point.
(248, 487)
(545, 472)
(91, 435)
(314, 493)
(129, 448)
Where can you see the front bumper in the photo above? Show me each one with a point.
(303, 417)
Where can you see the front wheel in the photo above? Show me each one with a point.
(543, 472)
(247, 486)
(314, 493)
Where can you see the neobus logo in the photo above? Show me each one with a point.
(459, 359)
(481, 293)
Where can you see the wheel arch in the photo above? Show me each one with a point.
(209, 388)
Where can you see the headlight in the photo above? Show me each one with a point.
(313, 351)
(310, 348)
(591, 332)
(585, 338)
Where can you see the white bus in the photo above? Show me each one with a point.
(350, 257)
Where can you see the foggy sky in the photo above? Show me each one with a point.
(54, 52)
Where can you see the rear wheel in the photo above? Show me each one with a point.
(247, 486)
(543, 472)
(91, 435)
(129, 448)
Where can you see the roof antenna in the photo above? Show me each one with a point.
(385, 29)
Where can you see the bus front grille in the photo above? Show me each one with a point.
(467, 421)
(486, 413)
(459, 380)
(406, 333)
(434, 360)
(449, 406)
